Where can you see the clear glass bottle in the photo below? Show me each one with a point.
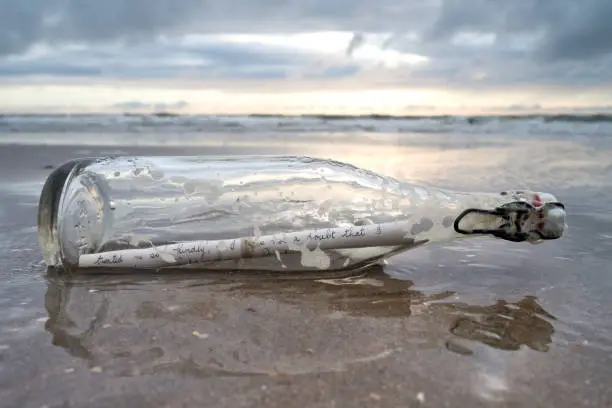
(107, 205)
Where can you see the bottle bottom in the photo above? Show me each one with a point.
(49, 210)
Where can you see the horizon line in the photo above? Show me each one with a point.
(162, 113)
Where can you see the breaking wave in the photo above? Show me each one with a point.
(169, 127)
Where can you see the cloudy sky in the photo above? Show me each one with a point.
(305, 56)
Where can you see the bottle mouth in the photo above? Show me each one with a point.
(48, 206)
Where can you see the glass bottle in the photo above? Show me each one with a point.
(287, 213)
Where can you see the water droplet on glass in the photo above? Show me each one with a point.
(112, 205)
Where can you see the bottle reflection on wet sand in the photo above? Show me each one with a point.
(191, 325)
(504, 325)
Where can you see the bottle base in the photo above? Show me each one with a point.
(48, 211)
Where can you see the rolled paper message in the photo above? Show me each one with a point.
(380, 235)
(267, 212)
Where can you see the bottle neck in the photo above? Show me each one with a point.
(441, 215)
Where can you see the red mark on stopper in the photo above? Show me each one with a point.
(537, 201)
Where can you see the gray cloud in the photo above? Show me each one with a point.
(522, 108)
(470, 43)
(518, 108)
(585, 34)
(157, 106)
(159, 60)
(409, 108)
(356, 42)
(495, 42)
(24, 23)
(567, 29)
(337, 71)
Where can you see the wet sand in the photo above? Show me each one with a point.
(480, 323)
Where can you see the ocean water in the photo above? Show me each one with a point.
(482, 322)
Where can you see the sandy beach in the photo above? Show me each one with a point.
(480, 323)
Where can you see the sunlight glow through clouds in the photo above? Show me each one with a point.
(330, 43)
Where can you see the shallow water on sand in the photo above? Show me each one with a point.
(476, 323)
